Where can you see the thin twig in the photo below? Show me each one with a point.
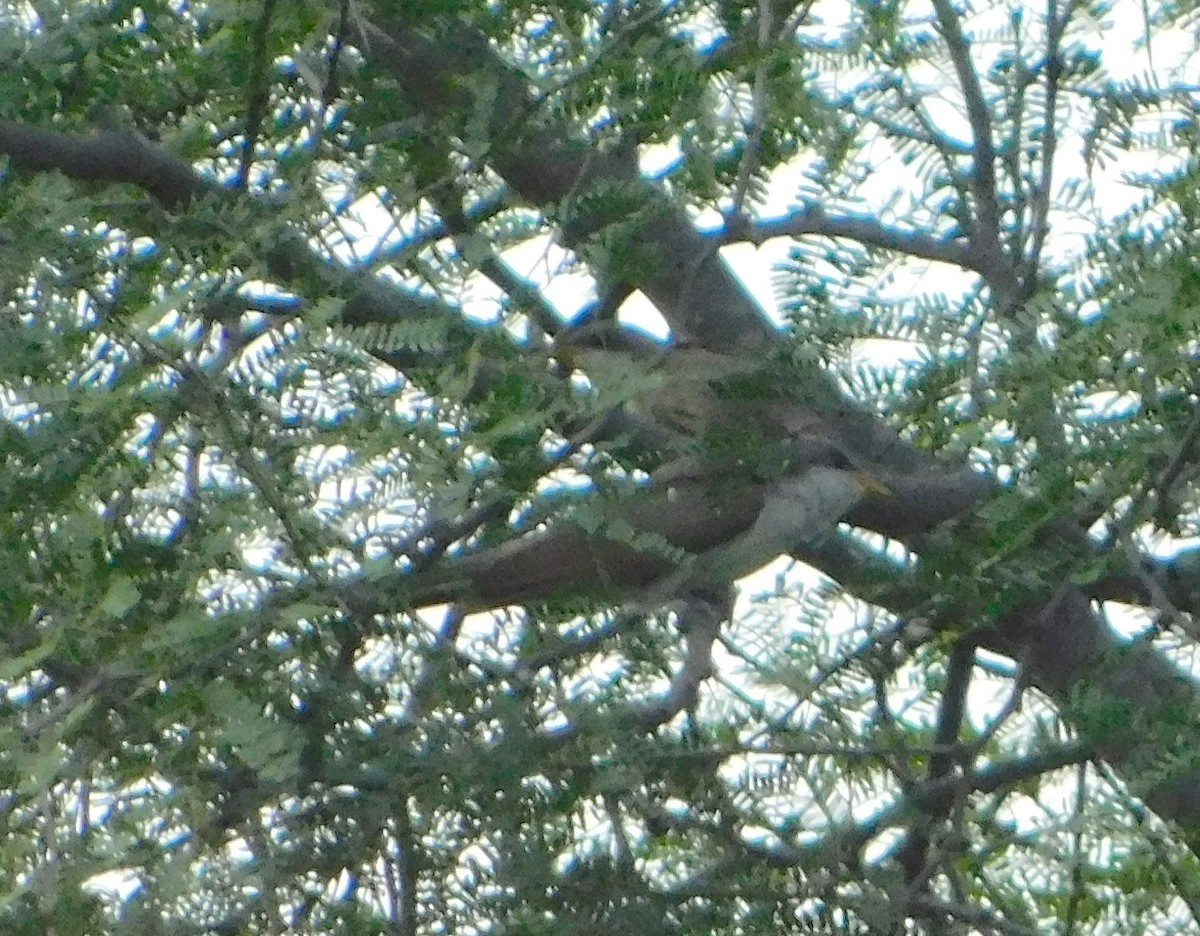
(978, 115)
(258, 98)
(749, 163)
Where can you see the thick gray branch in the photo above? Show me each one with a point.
(108, 156)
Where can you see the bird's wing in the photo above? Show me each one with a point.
(796, 509)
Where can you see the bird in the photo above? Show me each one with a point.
(677, 534)
(755, 468)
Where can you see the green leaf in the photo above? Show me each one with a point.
(121, 597)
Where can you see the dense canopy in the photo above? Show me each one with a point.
(393, 391)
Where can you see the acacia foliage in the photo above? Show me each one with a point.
(244, 254)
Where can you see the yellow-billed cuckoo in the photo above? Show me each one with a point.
(718, 511)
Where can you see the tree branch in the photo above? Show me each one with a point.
(862, 229)
(106, 156)
(913, 853)
(687, 282)
(980, 118)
